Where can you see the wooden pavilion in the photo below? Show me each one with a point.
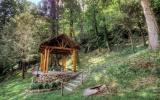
(62, 45)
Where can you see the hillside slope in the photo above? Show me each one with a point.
(127, 75)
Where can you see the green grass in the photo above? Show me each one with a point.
(14, 86)
(115, 69)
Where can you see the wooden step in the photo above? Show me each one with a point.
(77, 82)
(68, 88)
(72, 85)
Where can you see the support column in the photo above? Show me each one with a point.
(64, 62)
(42, 66)
(47, 61)
(74, 60)
(50, 59)
(41, 61)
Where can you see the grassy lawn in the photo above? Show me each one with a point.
(124, 78)
(13, 87)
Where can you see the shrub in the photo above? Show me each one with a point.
(46, 86)
(40, 85)
(53, 85)
(158, 82)
(156, 71)
(33, 86)
(36, 85)
(158, 61)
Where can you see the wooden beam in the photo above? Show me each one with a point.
(61, 52)
(74, 60)
(58, 43)
(42, 64)
(47, 61)
(45, 58)
(64, 62)
(62, 44)
(50, 59)
(62, 48)
(66, 43)
(41, 61)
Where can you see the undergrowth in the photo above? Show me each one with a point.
(127, 75)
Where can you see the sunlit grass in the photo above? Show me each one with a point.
(111, 69)
(14, 86)
(96, 60)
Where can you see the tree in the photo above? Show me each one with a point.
(73, 11)
(21, 38)
(152, 25)
(50, 8)
(8, 8)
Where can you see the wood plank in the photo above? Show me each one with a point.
(50, 59)
(45, 56)
(41, 61)
(61, 52)
(74, 60)
(47, 61)
(64, 62)
(61, 48)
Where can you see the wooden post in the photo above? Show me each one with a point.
(82, 78)
(47, 61)
(23, 70)
(64, 62)
(41, 61)
(45, 58)
(74, 60)
(62, 87)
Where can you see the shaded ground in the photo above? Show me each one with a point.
(14, 87)
(118, 70)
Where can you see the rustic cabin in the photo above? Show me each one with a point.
(61, 46)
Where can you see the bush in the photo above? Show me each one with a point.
(158, 61)
(53, 85)
(158, 82)
(46, 86)
(33, 86)
(36, 85)
(40, 85)
(156, 71)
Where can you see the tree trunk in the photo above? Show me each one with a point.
(54, 15)
(142, 34)
(95, 24)
(82, 20)
(94, 19)
(143, 38)
(57, 18)
(152, 25)
(23, 72)
(71, 23)
(106, 37)
(21, 65)
(131, 39)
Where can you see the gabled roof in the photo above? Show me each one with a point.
(62, 41)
